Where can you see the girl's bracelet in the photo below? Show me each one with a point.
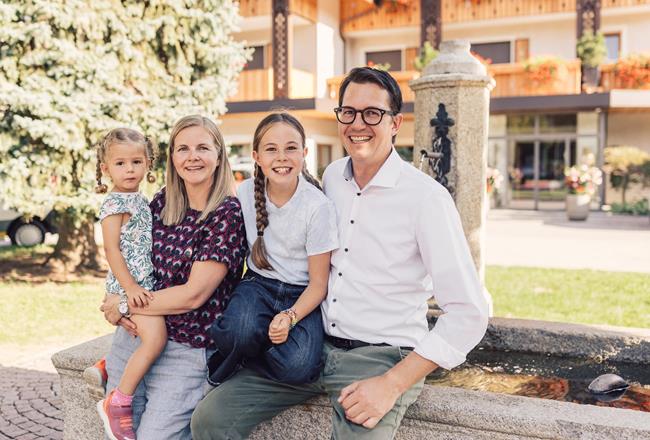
(292, 314)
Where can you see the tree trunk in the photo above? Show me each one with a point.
(76, 250)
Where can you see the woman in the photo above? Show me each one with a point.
(198, 253)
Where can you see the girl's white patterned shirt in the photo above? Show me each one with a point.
(135, 238)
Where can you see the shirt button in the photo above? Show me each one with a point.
(346, 249)
(340, 274)
(358, 194)
(334, 300)
(333, 325)
(351, 221)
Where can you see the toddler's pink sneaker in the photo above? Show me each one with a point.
(118, 420)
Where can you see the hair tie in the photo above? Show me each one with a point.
(260, 233)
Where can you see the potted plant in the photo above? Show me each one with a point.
(592, 51)
(543, 72)
(633, 72)
(427, 54)
(581, 182)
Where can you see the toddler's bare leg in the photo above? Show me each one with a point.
(153, 337)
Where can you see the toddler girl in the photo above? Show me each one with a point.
(125, 156)
(273, 322)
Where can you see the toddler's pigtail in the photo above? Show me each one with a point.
(258, 253)
(151, 154)
(101, 188)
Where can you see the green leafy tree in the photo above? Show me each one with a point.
(72, 69)
(625, 166)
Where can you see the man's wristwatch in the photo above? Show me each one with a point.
(123, 307)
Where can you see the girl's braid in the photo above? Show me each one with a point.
(258, 253)
(101, 187)
(309, 178)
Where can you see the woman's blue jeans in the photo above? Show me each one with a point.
(241, 334)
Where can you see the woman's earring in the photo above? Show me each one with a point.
(150, 177)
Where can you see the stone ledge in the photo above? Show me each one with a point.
(440, 412)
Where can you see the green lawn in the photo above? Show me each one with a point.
(50, 313)
(40, 313)
(581, 296)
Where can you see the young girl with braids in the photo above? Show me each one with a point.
(273, 322)
(125, 156)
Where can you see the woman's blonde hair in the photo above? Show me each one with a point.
(258, 252)
(124, 135)
(176, 200)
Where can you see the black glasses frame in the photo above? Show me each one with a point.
(382, 112)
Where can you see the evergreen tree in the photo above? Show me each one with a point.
(72, 69)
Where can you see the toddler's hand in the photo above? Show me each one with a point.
(139, 297)
(279, 328)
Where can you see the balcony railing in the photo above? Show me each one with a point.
(257, 85)
(255, 8)
(513, 80)
(402, 79)
(362, 15)
(610, 80)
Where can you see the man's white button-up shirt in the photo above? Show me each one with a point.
(400, 243)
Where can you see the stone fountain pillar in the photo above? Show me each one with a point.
(452, 99)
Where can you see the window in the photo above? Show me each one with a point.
(391, 57)
(613, 45)
(257, 61)
(497, 52)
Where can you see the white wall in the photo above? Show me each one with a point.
(303, 53)
(256, 37)
(329, 46)
(633, 27)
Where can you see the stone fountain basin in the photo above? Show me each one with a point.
(440, 412)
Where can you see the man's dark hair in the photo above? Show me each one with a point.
(364, 75)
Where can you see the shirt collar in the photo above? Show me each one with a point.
(387, 174)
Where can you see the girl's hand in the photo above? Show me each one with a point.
(138, 297)
(279, 328)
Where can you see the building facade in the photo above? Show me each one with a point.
(547, 111)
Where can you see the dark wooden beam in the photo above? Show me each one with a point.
(430, 22)
(588, 16)
(281, 50)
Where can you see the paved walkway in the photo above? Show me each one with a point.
(548, 239)
(29, 405)
(29, 388)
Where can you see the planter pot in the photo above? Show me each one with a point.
(577, 206)
(590, 78)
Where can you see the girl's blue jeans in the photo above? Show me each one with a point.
(241, 334)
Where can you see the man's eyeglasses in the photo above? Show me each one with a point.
(369, 115)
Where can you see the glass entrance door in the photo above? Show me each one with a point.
(537, 172)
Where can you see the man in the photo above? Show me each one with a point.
(399, 232)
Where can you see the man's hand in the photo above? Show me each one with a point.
(366, 401)
(279, 328)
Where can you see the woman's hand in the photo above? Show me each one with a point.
(109, 307)
(112, 314)
(279, 328)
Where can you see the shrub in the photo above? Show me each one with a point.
(591, 49)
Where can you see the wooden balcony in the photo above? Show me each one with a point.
(513, 80)
(402, 79)
(609, 79)
(257, 85)
(362, 15)
(253, 8)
